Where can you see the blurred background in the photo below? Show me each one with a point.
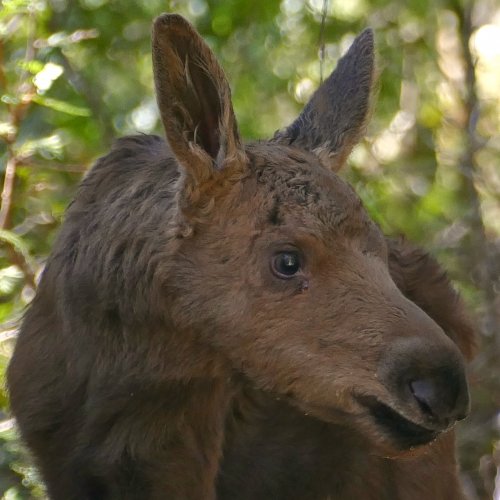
(74, 74)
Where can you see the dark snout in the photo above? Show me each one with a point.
(428, 381)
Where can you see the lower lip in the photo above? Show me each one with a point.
(404, 432)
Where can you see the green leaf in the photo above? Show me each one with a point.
(33, 66)
(63, 107)
(10, 7)
(9, 99)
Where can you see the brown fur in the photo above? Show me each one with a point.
(165, 355)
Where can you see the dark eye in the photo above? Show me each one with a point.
(286, 264)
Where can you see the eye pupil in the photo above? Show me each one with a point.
(286, 264)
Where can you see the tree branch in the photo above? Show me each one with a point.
(483, 255)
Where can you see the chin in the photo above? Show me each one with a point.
(390, 433)
(393, 434)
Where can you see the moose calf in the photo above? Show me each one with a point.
(221, 320)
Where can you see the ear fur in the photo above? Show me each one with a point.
(334, 119)
(194, 99)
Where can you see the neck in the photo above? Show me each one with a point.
(170, 435)
(327, 460)
(193, 441)
(160, 413)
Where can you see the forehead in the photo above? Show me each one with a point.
(294, 187)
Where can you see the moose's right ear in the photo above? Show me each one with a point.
(194, 99)
(334, 119)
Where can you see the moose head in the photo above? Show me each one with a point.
(277, 266)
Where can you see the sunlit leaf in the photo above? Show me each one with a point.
(44, 78)
(10, 278)
(50, 146)
(7, 128)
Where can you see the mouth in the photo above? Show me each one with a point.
(403, 432)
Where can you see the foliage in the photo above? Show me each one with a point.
(74, 74)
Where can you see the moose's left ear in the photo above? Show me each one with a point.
(334, 119)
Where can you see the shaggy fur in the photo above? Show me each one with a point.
(169, 354)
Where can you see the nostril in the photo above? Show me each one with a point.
(440, 398)
(424, 391)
